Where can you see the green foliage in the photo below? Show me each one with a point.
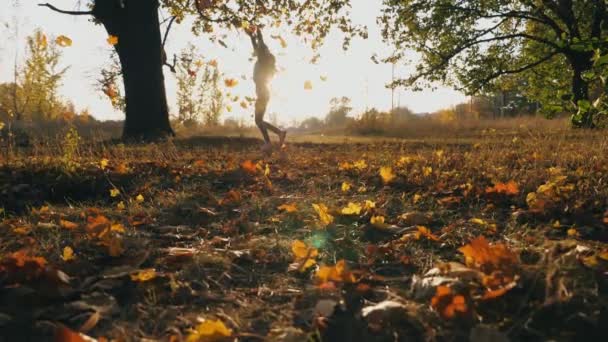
(477, 46)
(70, 147)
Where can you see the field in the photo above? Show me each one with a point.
(481, 233)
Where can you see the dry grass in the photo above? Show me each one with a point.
(237, 247)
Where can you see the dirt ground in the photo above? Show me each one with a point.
(493, 235)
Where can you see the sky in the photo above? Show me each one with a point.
(348, 73)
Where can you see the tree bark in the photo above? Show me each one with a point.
(580, 87)
(139, 49)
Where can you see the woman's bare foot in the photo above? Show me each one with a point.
(282, 137)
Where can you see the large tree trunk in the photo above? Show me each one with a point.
(580, 87)
(139, 50)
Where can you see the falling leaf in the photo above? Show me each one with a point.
(68, 253)
(351, 209)
(231, 82)
(213, 63)
(209, 331)
(345, 186)
(290, 208)
(323, 78)
(112, 40)
(308, 85)
(387, 175)
(144, 275)
(244, 104)
(323, 213)
(63, 41)
(114, 192)
(139, 198)
(229, 108)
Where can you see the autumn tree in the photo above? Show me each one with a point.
(472, 45)
(139, 42)
(34, 93)
(199, 97)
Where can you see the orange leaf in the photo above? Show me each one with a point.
(337, 273)
(249, 167)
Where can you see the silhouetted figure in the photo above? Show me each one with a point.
(264, 70)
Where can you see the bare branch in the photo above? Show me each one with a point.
(66, 12)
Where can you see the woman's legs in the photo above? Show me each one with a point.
(260, 109)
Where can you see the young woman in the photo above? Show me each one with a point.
(264, 70)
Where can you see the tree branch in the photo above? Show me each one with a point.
(66, 12)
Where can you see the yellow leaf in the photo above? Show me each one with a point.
(323, 78)
(369, 204)
(345, 187)
(427, 171)
(63, 41)
(120, 205)
(573, 232)
(112, 40)
(68, 253)
(378, 222)
(229, 108)
(144, 275)
(416, 198)
(117, 227)
(244, 104)
(351, 209)
(302, 251)
(103, 163)
(209, 331)
(360, 164)
(139, 198)
(338, 273)
(114, 192)
(323, 213)
(308, 85)
(290, 208)
(386, 172)
(478, 221)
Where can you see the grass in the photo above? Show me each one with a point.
(221, 249)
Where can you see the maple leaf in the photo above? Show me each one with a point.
(427, 171)
(114, 192)
(345, 186)
(447, 303)
(369, 204)
(304, 255)
(139, 198)
(143, 275)
(424, 231)
(323, 212)
(290, 208)
(63, 41)
(351, 209)
(337, 273)
(360, 164)
(480, 254)
(120, 205)
(387, 175)
(209, 331)
(112, 40)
